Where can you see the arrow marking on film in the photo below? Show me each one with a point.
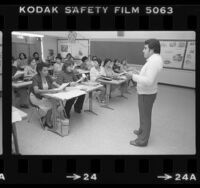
(165, 177)
(74, 177)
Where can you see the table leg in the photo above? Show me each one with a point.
(108, 87)
(14, 131)
(90, 105)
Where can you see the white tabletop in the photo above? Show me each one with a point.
(20, 84)
(65, 95)
(113, 82)
(17, 115)
(81, 71)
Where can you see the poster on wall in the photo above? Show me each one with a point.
(189, 62)
(78, 49)
(172, 53)
(0, 59)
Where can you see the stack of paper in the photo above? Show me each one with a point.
(66, 95)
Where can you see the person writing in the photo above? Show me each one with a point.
(147, 83)
(67, 75)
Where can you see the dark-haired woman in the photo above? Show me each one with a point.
(21, 62)
(43, 83)
(67, 75)
(107, 70)
(30, 69)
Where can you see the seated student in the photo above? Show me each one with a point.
(21, 62)
(50, 57)
(21, 92)
(107, 70)
(42, 83)
(117, 67)
(57, 67)
(67, 76)
(36, 57)
(30, 70)
(85, 65)
(69, 57)
(94, 76)
(127, 68)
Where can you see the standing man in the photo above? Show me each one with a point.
(147, 82)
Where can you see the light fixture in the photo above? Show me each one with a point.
(27, 34)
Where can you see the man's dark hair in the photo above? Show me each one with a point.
(84, 59)
(40, 66)
(154, 45)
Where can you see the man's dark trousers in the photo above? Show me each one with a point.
(145, 104)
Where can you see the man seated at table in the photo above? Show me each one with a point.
(67, 75)
(86, 63)
(95, 74)
(43, 83)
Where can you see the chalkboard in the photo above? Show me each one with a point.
(129, 50)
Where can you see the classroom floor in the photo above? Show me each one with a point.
(109, 133)
(1, 126)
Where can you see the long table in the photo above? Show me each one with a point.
(108, 89)
(69, 93)
(17, 116)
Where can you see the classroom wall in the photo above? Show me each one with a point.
(168, 76)
(1, 64)
(49, 43)
(175, 77)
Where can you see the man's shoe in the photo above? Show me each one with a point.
(137, 143)
(137, 132)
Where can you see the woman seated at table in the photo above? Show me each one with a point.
(95, 74)
(21, 62)
(67, 75)
(117, 67)
(107, 70)
(30, 69)
(43, 83)
(57, 67)
(21, 92)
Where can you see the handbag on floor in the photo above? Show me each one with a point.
(61, 123)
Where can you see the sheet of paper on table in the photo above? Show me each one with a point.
(62, 87)
(18, 74)
(16, 116)
(66, 95)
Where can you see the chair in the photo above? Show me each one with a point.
(35, 109)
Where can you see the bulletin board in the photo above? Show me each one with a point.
(173, 53)
(190, 56)
(0, 58)
(78, 49)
